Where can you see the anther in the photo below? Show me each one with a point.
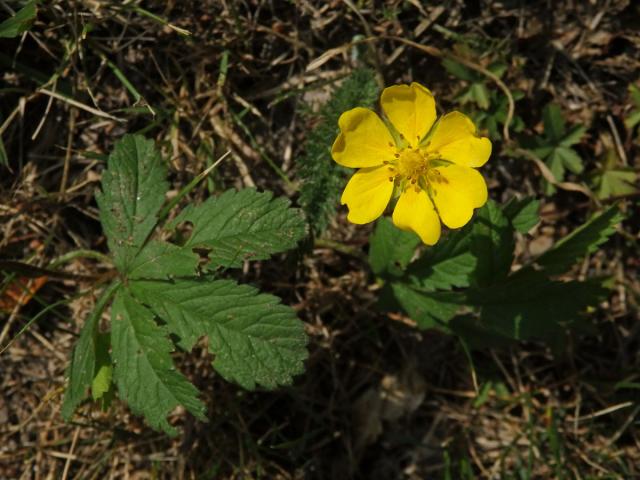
(391, 144)
(391, 179)
(397, 155)
(385, 162)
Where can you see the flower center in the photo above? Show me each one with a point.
(413, 167)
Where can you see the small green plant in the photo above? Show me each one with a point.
(613, 179)
(169, 293)
(486, 106)
(554, 146)
(321, 178)
(465, 284)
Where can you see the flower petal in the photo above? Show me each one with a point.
(459, 191)
(414, 211)
(456, 140)
(411, 109)
(364, 140)
(367, 194)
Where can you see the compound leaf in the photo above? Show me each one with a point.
(391, 249)
(133, 189)
(241, 225)
(144, 372)
(255, 339)
(582, 241)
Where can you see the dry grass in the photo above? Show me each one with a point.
(379, 400)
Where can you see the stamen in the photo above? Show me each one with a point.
(391, 144)
(391, 179)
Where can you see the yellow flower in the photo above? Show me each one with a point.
(432, 165)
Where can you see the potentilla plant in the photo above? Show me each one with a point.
(466, 284)
(170, 293)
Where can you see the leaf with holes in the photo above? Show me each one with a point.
(242, 225)
(255, 339)
(133, 189)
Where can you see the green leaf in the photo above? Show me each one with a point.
(255, 339)
(427, 309)
(103, 370)
(20, 22)
(133, 189)
(570, 159)
(458, 70)
(617, 182)
(523, 213)
(633, 119)
(492, 244)
(390, 248)
(433, 272)
(83, 361)
(574, 136)
(144, 372)
(530, 306)
(476, 335)
(614, 180)
(582, 241)
(554, 127)
(556, 165)
(244, 225)
(161, 260)
(480, 95)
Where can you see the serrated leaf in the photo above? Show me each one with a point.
(480, 95)
(556, 165)
(255, 339)
(427, 309)
(523, 213)
(144, 372)
(617, 182)
(162, 260)
(614, 180)
(20, 22)
(391, 249)
(554, 127)
(570, 159)
(243, 225)
(458, 70)
(133, 190)
(530, 306)
(83, 360)
(442, 273)
(574, 136)
(492, 244)
(582, 241)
